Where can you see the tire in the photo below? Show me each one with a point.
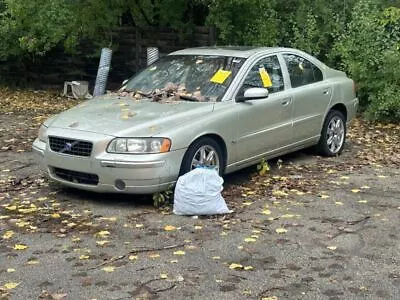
(333, 134)
(194, 151)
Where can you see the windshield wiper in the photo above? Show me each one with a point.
(189, 98)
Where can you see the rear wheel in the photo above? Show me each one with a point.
(333, 134)
(205, 152)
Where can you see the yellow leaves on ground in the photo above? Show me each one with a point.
(83, 257)
(11, 207)
(355, 190)
(339, 203)
(164, 276)
(362, 201)
(169, 228)
(10, 270)
(11, 285)
(139, 225)
(154, 255)
(102, 243)
(179, 252)
(266, 212)
(270, 298)
(108, 269)
(32, 262)
(110, 219)
(20, 247)
(331, 248)
(133, 257)
(235, 266)
(198, 227)
(281, 230)
(55, 215)
(324, 196)
(8, 234)
(103, 233)
(250, 240)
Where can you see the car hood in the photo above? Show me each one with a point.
(123, 116)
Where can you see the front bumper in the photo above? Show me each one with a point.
(107, 172)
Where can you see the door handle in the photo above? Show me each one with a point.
(327, 91)
(286, 102)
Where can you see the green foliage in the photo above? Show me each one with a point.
(370, 53)
(263, 167)
(165, 198)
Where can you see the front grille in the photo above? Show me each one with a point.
(76, 177)
(69, 146)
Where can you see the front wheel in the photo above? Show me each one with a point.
(333, 134)
(205, 152)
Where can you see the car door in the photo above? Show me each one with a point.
(264, 125)
(311, 96)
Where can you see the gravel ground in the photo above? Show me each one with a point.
(312, 228)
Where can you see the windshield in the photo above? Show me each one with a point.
(186, 77)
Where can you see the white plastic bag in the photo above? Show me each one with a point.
(199, 193)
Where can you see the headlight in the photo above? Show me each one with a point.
(139, 145)
(42, 136)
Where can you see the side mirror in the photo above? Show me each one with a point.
(253, 94)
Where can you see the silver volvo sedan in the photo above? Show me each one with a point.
(221, 107)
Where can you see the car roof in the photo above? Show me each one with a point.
(234, 51)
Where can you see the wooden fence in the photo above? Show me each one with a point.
(129, 56)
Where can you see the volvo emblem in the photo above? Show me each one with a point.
(67, 147)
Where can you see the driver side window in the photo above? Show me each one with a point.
(266, 73)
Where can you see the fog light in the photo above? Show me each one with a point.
(119, 184)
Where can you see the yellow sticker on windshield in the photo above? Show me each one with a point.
(266, 80)
(220, 76)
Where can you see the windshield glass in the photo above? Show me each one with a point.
(186, 77)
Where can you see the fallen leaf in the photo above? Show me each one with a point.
(216, 257)
(331, 247)
(11, 285)
(179, 252)
(8, 234)
(154, 256)
(20, 247)
(248, 268)
(84, 257)
(102, 233)
(169, 228)
(133, 257)
(355, 190)
(324, 196)
(270, 298)
(281, 230)
(109, 269)
(338, 203)
(266, 212)
(234, 266)
(10, 270)
(362, 201)
(139, 225)
(102, 243)
(163, 276)
(250, 240)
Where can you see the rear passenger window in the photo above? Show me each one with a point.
(301, 71)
